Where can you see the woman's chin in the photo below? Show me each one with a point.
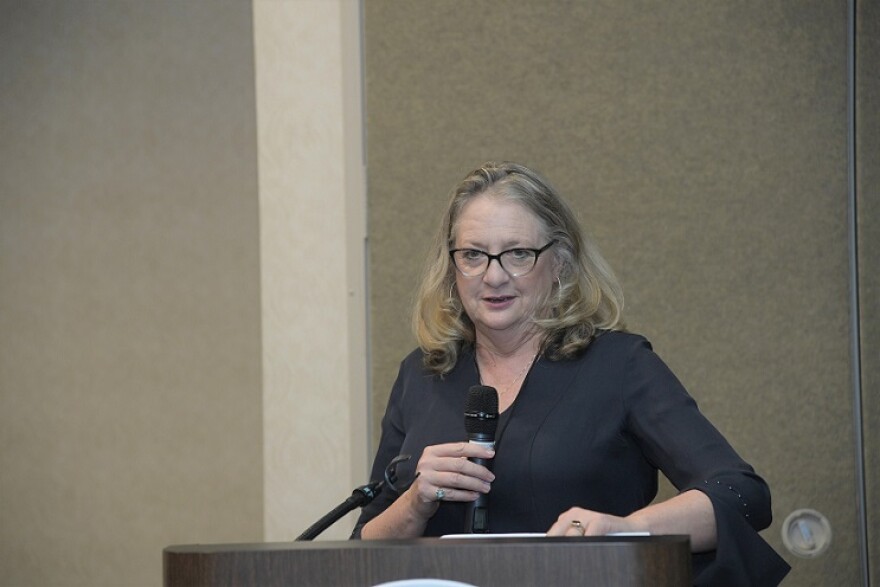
(501, 327)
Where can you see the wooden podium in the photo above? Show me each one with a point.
(643, 561)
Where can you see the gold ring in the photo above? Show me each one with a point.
(579, 527)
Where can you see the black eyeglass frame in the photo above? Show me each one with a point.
(490, 258)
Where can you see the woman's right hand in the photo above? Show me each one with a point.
(443, 470)
(444, 473)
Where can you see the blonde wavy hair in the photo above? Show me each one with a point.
(587, 298)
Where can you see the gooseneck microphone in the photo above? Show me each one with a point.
(360, 497)
(480, 423)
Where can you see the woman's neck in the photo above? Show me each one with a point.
(505, 369)
(502, 349)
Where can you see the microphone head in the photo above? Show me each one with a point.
(481, 411)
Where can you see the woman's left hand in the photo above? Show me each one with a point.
(581, 522)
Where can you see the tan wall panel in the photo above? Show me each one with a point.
(312, 230)
(704, 144)
(130, 389)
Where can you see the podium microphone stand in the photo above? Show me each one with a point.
(360, 497)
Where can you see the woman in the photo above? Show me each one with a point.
(516, 298)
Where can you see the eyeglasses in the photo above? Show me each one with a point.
(517, 262)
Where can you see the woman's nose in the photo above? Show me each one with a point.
(495, 273)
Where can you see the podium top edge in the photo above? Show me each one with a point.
(609, 541)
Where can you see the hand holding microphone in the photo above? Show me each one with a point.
(459, 471)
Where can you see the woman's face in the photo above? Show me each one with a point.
(502, 307)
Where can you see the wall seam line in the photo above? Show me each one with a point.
(855, 313)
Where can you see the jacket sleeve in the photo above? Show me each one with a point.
(389, 447)
(676, 437)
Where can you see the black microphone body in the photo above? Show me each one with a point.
(480, 422)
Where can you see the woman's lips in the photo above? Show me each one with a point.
(499, 301)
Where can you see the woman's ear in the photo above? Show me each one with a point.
(557, 267)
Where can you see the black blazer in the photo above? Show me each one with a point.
(590, 432)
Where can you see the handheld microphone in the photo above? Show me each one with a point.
(480, 423)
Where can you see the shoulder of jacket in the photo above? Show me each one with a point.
(620, 340)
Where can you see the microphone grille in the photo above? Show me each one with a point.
(481, 410)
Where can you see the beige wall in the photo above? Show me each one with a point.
(312, 232)
(181, 307)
